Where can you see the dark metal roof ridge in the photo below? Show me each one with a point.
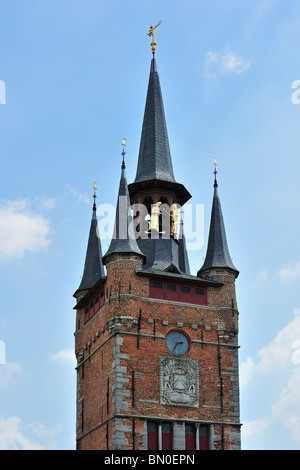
(90, 293)
(178, 189)
(179, 277)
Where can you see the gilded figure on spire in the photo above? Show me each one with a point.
(151, 35)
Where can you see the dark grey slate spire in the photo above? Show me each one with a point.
(154, 156)
(183, 254)
(217, 255)
(123, 239)
(93, 266)
(155, 169)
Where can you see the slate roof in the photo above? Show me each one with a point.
(123, 240)
(93, 266)
(179, 277)
(183, 254)
(161, 253)
(154, 156)
(217, 255)
(155, 169)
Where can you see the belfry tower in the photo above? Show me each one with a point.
(156, 347)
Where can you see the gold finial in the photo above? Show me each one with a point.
(215, 173)
(123, 152)
(94, 196)
(151, 35)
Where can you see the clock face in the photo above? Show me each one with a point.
(177, 343)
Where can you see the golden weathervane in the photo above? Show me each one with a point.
(151, 34)
(94, 195)
(123, 152)
(215, 172)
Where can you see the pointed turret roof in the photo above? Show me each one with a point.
(183, 254)
(217, 255)
(123, 240)
(154, 160)
(93, 266)
(155, 167)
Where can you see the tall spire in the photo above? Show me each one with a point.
(155, 169)
(93, 266)
(123, 240)
(154, 161)
(217, 255)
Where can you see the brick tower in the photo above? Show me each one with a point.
(156, 347)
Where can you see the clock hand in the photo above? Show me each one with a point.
(178, 342)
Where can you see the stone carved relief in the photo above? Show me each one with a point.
(179, 381)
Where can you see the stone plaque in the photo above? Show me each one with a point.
(179, 381)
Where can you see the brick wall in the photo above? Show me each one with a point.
(119, 350)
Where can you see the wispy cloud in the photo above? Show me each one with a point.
(260, 279)
(287, 407)
(15, 436)
(290, 271)
(7, 371)
(223, 63)
(279, 359)
(285, 413)
(77, 194)
(46, 202)
(22, 229)
(64, 356)
(276, 355)
(258, 426)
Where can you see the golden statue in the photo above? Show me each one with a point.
(155, 213)
(174, 218)
(151, 35)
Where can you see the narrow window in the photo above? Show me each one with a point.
(185, 289)
(171, 287)
(152, 431)
(190, 435)
(82, 414)
(97, 304)
(166, 434)
(92, 309)
(86, 314)
(101, 298)
(203, 437)
(199, 291)
(157, 285)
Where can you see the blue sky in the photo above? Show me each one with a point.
(75, 75)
